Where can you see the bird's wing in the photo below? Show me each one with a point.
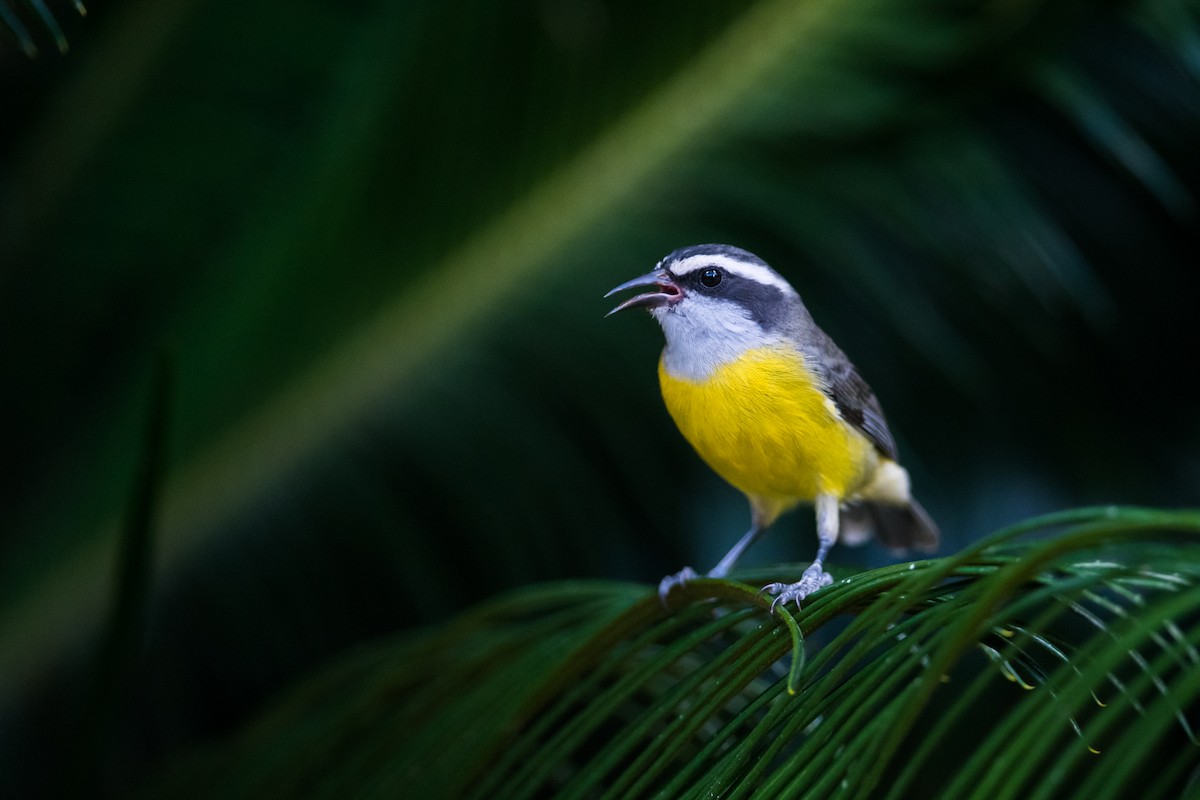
(851, 394)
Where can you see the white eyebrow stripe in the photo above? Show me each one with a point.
(744, 269)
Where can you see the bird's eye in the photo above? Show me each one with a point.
(710, 277)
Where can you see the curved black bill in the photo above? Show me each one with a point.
(668, 291)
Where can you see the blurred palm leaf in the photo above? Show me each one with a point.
(12, 14)
(591, 690)
(370, 240)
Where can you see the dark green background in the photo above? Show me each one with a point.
(370, 240)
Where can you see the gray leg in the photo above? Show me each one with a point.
(827, 525)
(723, 566)
(815, 577)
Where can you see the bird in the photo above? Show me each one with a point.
(774, 407)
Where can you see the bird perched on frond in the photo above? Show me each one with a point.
(775, 408)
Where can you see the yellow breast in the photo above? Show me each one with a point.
(764, 425)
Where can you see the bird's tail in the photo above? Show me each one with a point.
(899, 527)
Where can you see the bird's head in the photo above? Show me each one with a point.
(715, 301)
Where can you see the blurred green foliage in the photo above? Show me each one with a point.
(371, 238)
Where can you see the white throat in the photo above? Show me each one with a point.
(703, 334)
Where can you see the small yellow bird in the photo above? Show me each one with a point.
(775, 408)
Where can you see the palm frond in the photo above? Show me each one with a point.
(1090, 688)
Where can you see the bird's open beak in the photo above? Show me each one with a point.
(668, 291)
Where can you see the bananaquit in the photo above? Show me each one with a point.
(774, 407)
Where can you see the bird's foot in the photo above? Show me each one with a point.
(671, 581)
(813, 579)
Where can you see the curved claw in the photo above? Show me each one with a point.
(671, 581)
(814, 578)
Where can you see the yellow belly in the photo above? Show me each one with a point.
(765, 426)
